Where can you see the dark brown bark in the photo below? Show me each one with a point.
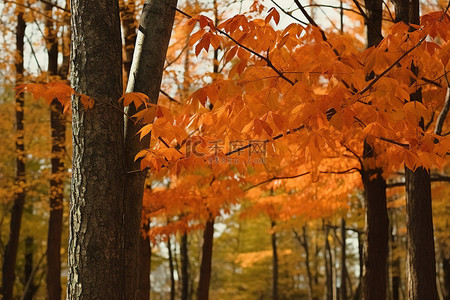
(377, 230)
(184, 267)
(446, 271)
(58, 139)
(145, 76)
(10, 255)
(328, 265)
(421, 271)
(206, 262)
(395, 265)
(144, 261)
(274, 262)
(29, 245)
(96, 257)
(127, 16)
(171, 270)
(420, 262)
(377, 223)
(343, 261)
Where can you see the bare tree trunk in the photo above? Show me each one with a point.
(274, 262)
(127, 16)
(144, 262)
(29, 245)
(343, 261)
(421, 264)
(171, 269)
(145, 76)
(58, 139)
(96, 257)
(328, 265)
(184, 267)
(10, 255)
(303, 241)
(205, 266)
(376, 245)
(446, 271)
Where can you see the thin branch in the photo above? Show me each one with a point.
(288, 13)
(55, 5)
(361, 11)
(377, 78)
(268, 61)
(168, 96)
(348, 171)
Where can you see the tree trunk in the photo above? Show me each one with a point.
(144, 261)
(303, 241)
(420, 261)
(29, 245)
(421, 272)
(377, 230)
(184, 267)
(58, 139)
(171, 269)
(376, 245)
(145, 76)
(96, 257)
(328, 265)
(10, 255)
(128, 19)
(274, 262)
(446, 271)
(343, 261)
(205, 266)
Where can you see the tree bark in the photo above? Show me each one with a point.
(446, 271)
(376, 245)
(145, 76)
(420, 261)
(10, 255)
(421, 270)
(144, 262)
(328, 265)
(96, 257)
(171, 269)
(274, 262)
(184, 267)
(377, 230)
(58, 139)
(206, 262)
(343, 261)
(29, 245)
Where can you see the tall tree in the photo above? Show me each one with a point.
(146, 72)
(377, 222)
(58, 139)
(205, 265)
(10, 255)
(96, 256)
(420, 261)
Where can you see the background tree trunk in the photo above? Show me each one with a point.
(171, 270)
(184, 267)
(58, 140)
(146, 72)
(10, 255)
(29, 247)
(205, 266)
(144, 262)
(96, 256)
(343, 261)
(274, 262)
